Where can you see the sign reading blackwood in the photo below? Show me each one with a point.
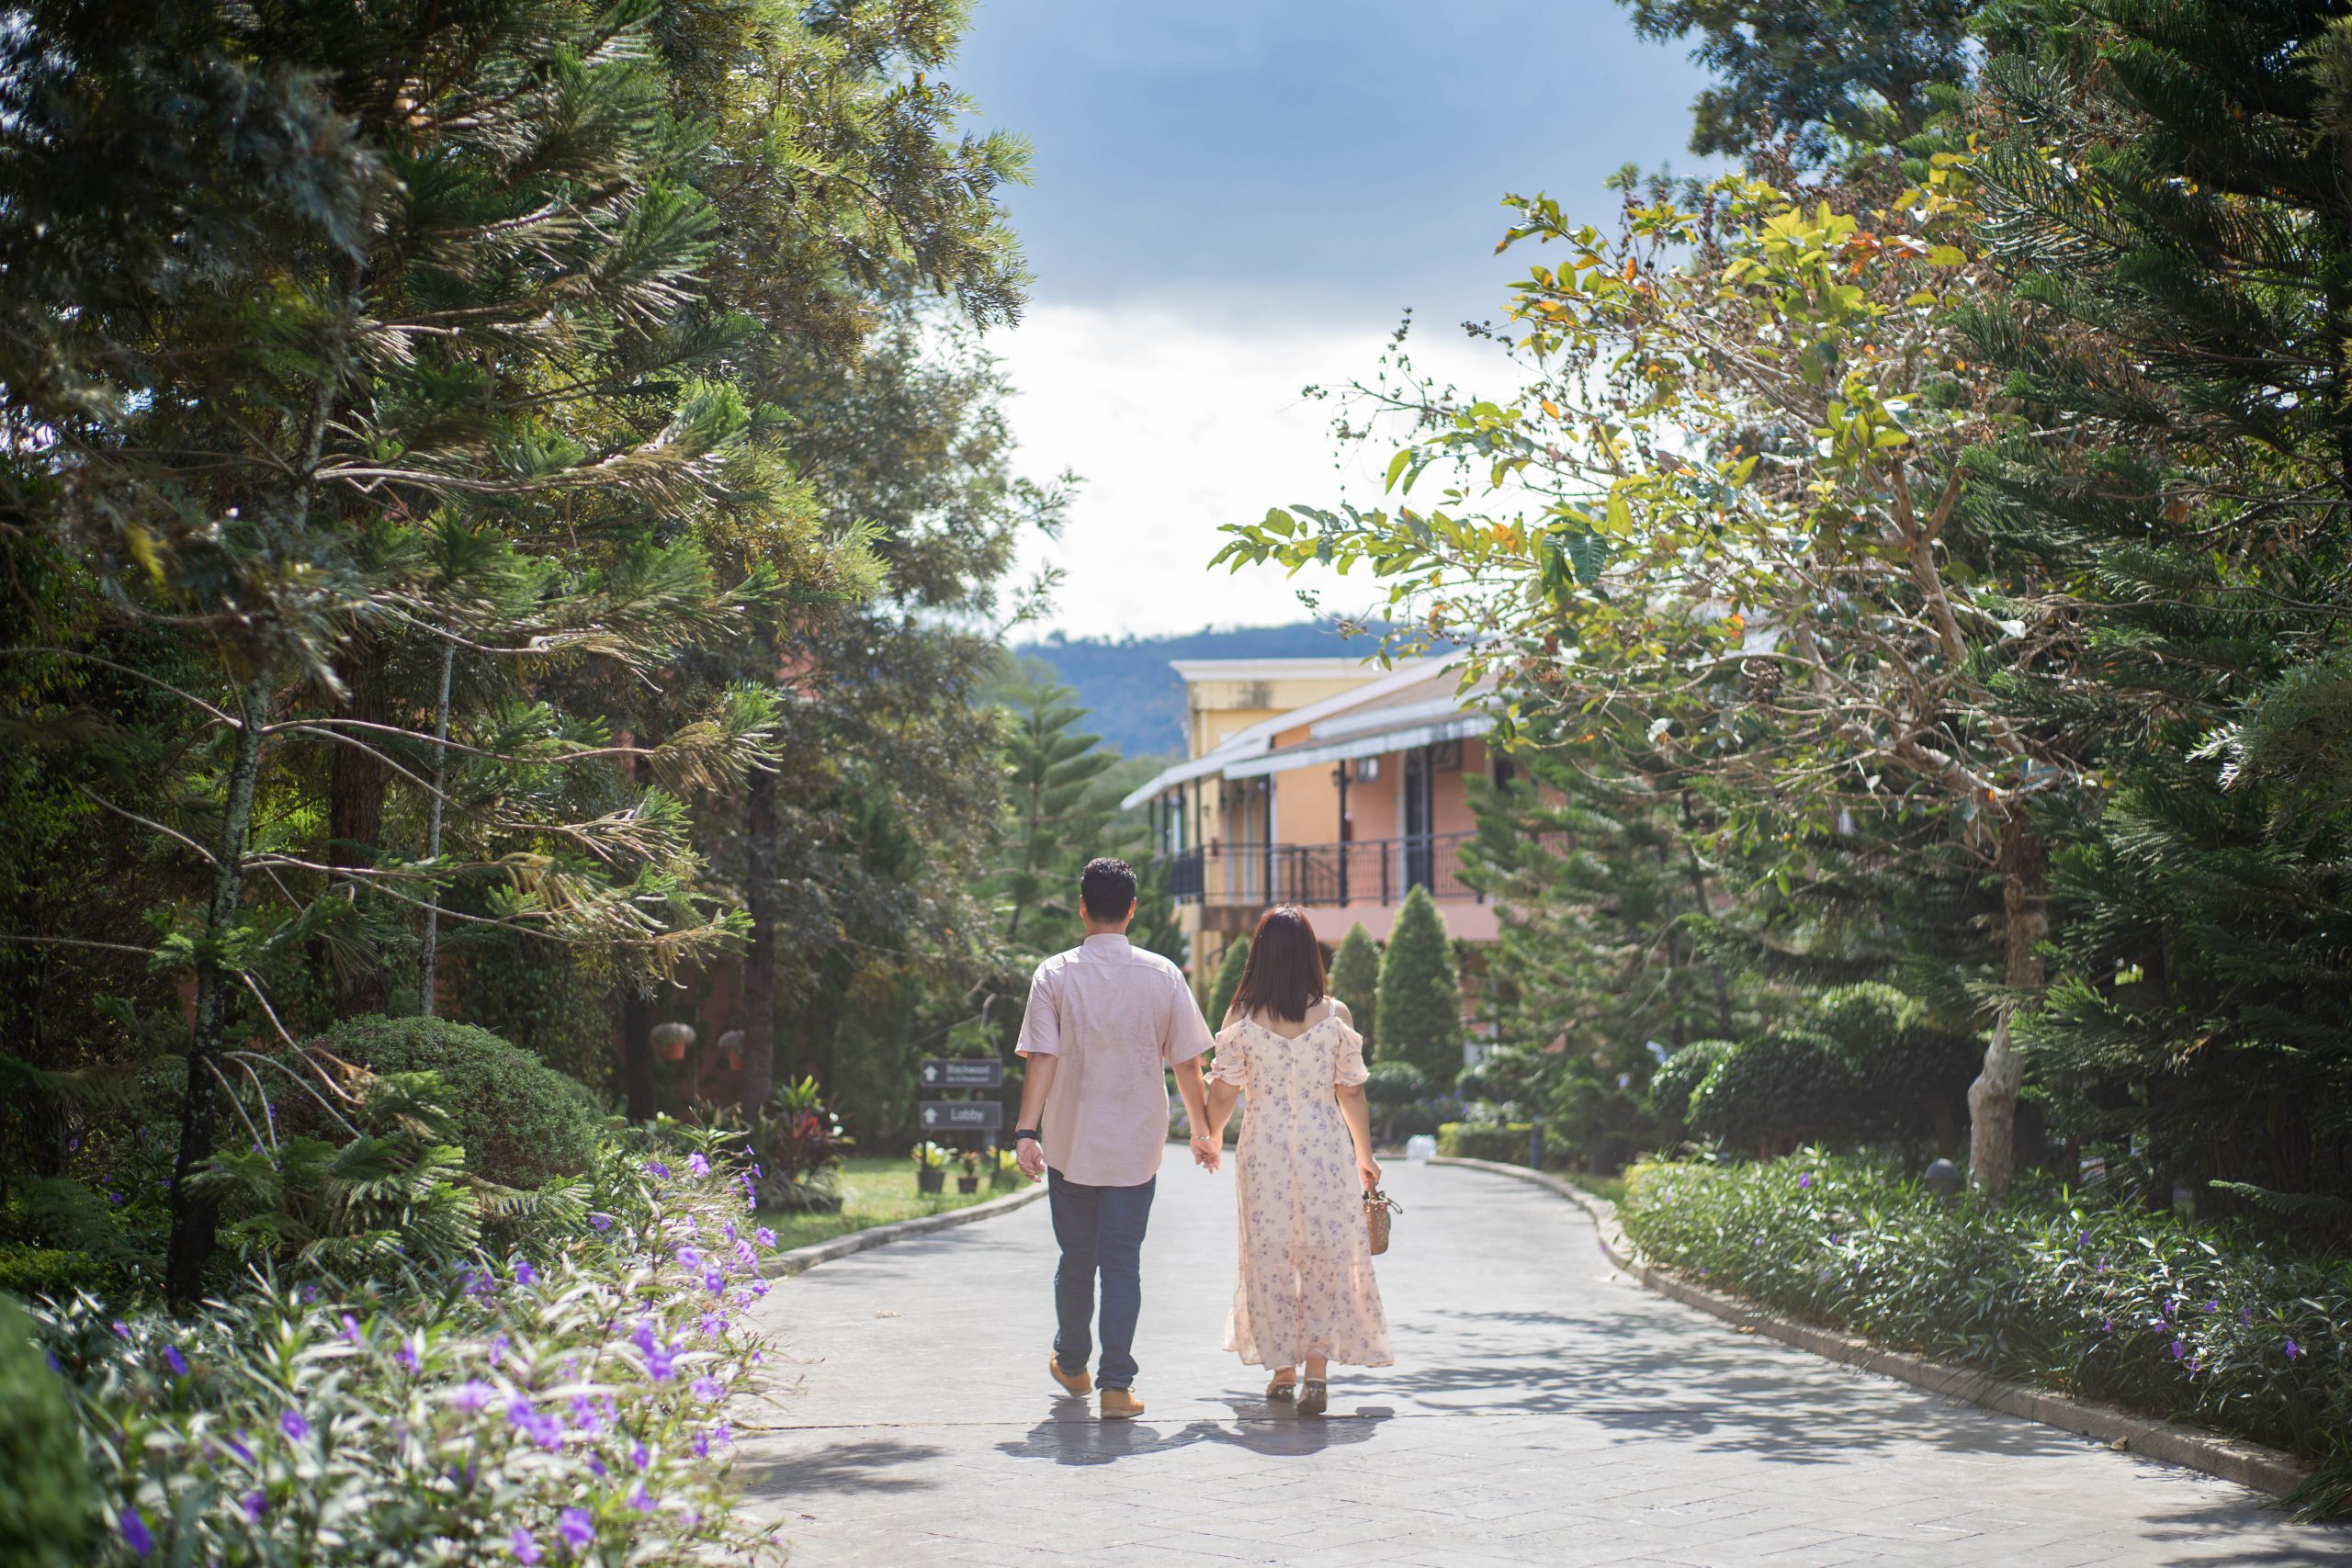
(967, 1072)
(960, 1115)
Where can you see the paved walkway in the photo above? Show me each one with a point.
(1544, 1409)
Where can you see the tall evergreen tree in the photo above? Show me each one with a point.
(1420, 1005)
(1227, 983)
(1059, 819)
(1356, 981)
(2166, 190)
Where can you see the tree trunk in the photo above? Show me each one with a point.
(194, 1215)
(759, 961)
(1993, 1098)
(637, 1054)
(356, 783)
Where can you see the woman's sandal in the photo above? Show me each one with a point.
(1281, 1389)
(1314, 1398)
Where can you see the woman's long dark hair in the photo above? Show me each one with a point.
(1284, 975)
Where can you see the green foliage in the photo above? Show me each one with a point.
(1227, 983)
(1678, 1077)
(543, 1371)
(1355, 982)
(1395, 1083)
(49, 1507)
(519, 1123)
(2113, 1302)
(1505, 1141)
(1420, 1004)
(1854, 72)
(799, 1144)
(1059, 818)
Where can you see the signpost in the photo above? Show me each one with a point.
(960, 1115)
(962, 1072)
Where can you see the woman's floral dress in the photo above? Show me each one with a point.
(1306, 1286)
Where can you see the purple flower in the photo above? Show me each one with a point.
(1804, 1181)
(542, 1427)
(307, 1295)
(728, 1230)
(293, 1424)
(707, 1388)
(234, 1447)
(657, 1168)
(255, 1505)
(660, 1365)
(122, 1331)
(2106, 1325)
(702, 1445)
(472, 1394)
(351, 1328)
(576, 1528)
(597, 1468)
(697, 1166)
(2178, 1349)
(642, 1336)
(406, 1356)
(721, 1432)
(639, 1500)
(174, 1359)
(2081, 1241)
(759, 1289)
(524, 1549)
(715, 1282)
(601, 1221)
(2245, 1317)
(524, 1274)
(765, 1236)
(2293, 1349)
(688, 1257)
(640, 1456)
(135, 1533)
(499, 1345)
(712, 1325)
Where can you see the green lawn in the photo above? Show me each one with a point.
(1609, 1186)
(874, 1192)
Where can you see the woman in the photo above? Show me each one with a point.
(1307, 1292)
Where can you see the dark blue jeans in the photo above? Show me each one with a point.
(1099, 1230)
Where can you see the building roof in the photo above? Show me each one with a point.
(1389, 712)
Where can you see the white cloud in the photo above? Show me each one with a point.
(1178, 427)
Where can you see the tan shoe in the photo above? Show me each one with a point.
(1118, 1405)
(1078, 1383)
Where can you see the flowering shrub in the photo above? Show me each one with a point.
(567, 1403)
(2116, 1303)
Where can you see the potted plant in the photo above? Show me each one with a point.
(671, 1040)
(1004, 1170)
(731, 1050)
(968, 1180)
(931, 1168)
(800, 1144)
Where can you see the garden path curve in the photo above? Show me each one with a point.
(1544, 1409)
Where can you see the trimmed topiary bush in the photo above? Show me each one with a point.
(521, 1123)
(48, 1501)
(1505, 1142)
(1356, 981)
(1420, 996)
(1227, 981)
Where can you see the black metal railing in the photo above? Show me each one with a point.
(1362, 871)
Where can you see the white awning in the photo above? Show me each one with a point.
(1459, 728)
(1218, 761)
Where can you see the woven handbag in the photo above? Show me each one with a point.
(1377, 1206)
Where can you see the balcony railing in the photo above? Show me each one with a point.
(1363, 871)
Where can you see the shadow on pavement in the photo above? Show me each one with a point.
(880, 1464)
(1261, 1429)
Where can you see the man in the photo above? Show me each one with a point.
(1104, 1020)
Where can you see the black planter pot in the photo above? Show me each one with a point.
(967, 1184)
(930, 1179)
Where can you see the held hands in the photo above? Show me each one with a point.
(1207, 1152)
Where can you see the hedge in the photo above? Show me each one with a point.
(1504, 1140)
(2169, 1317)
(48, 1506)
(521, 1121)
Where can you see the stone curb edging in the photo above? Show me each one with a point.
(800, 1259)
(2231, 1459)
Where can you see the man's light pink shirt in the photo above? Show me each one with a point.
(1114, 1017)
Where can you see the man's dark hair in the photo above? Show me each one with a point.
(1107, 887)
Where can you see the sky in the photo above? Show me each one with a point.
(1233, 199)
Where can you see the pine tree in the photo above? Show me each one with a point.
(1059, 821)
(1356, 981)
(1227, 981)
(1420, 1005)
(2164, 188)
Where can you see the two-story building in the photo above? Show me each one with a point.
(1325, 782)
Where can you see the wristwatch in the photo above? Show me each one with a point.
(1028, 1133)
